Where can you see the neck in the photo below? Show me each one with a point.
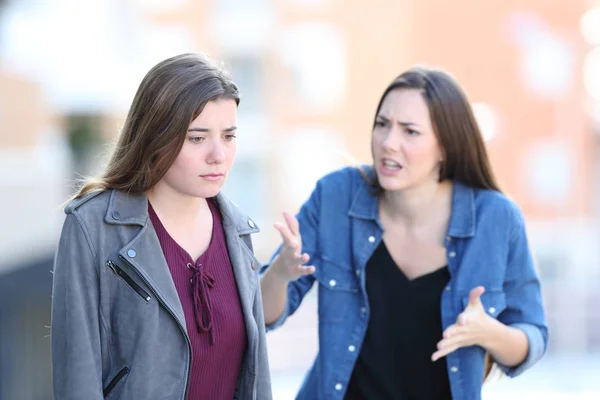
(414, 205)
(174, 206)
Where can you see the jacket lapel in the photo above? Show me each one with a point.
(235, 225)
(144, 253)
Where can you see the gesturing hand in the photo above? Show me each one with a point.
(471, 328)
(288, 264)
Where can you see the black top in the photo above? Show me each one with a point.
(403, 331)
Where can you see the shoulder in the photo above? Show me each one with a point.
(90, 210)
(347, 179)
(497, 207)
(83, 217)
(231, 214)
(88, 202)
(343, 191)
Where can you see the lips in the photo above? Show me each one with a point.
(391, 164)
(389, 167)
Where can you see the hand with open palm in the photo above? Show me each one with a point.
(472, 327)
(289, 263)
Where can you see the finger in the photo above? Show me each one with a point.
(451, 331)
(443, 353)
(447, 346)
(300, 259)
(475, 296)
(292, 223)
(456, 340)
(462, 319)
(306, 269)
(287, 235)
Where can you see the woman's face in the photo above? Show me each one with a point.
(406, 152)
(208, 151)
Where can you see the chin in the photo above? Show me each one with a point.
(205, 191)
(391, 184)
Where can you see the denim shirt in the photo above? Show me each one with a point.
(486, 245)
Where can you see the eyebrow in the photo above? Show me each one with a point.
(399, 122)
(205, 130)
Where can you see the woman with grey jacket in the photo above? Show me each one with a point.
(155, 292)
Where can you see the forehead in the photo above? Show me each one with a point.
(407, 105)
(220, 111)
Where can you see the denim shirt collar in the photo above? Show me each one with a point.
(462, 218)
(365, 205)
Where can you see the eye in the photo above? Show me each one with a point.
(379, 124)
(196, 139)
(230, 137)
(412, 132)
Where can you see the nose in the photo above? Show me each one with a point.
(393, 140)
(217, 154)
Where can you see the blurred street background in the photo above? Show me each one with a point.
(311, 73)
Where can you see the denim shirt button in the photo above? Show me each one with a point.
(357, 272)
(452, 254)
(363, 310)
(332, 283)
(453, 369)
(372, 239)
(491, 310)
(131, 253)
(351, 348)
(338, 386)
(448, 288)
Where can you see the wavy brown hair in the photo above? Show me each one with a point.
(171, 95)
(464, 155)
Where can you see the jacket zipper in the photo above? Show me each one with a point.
(181, 328)
(137, 288)
(115, 380)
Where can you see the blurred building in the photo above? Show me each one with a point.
(311, 73)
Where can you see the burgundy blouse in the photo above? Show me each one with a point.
(213, 313)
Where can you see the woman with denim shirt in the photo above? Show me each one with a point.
(423, 265)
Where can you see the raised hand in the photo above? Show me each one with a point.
(289, 263)
(472, 327)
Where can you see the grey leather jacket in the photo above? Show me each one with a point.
(118, 329)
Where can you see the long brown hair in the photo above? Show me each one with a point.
(171, 95)
(464, 155)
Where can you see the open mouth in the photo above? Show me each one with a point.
(390, 165)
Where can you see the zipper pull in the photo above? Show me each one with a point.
(112, 266)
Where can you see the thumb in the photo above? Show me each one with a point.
(475, 296)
